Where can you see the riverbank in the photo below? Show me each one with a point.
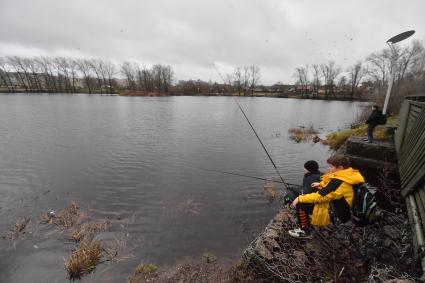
(375, 253)
(381, 133)
(158, 94)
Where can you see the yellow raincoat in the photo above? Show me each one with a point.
(320, 216)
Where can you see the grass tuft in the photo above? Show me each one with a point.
(64, 219)
(87, 230)
(83, 260)
(19, 228)
(144, 273)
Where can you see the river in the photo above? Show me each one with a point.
(138, 159)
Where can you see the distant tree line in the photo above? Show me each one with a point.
(69, 75)
(140, 78)
(370, 75)
(242, 81)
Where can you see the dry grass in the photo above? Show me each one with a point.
(144, 273)
(88, 230)
(302, 133)
(336, 139)
(19, 228)
(64, 219)
(83, 260)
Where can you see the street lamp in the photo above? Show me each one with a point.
(393, 40)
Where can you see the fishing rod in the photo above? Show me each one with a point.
(285, 185)
(243, 175)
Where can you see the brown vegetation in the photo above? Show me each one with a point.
(64, 219)
(88, 251)
(336, 139)
(88, 230)
(302, 133)
(19, 228)
(83, 259)
(145, 273)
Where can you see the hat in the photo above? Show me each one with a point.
(311, 166)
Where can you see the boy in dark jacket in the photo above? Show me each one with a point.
(312, 175)
(372, 122)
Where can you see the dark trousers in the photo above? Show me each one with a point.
(304, 210)
(370, 129)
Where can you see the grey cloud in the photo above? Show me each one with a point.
(193, 36)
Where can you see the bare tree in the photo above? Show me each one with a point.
(379, 68)
(95, 68)
(330, 72)
(301, 75)
(50, 80)
(316, 79)
(254, 77)
(127, 70)
(84, 67)
(237, 80)
(356, 74)
(16, 63)
(6, 75)
(167, 77)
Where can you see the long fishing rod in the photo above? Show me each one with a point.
(243, 175)
(286, 186)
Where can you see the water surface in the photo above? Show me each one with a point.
(137, 159)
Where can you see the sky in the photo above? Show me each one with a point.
(203, 39)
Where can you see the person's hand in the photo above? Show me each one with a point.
(294, 203)
(315, 185)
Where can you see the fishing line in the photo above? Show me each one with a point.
(286, 186)
(243, 175)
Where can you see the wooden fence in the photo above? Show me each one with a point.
(410, 146)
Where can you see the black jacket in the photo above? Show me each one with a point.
(305, 188)
(374, 118)
(308, 179)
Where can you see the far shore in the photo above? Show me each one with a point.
(162, 94)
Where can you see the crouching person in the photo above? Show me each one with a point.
(333, 200)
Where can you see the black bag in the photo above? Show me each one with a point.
(382, 119)
(363, 211)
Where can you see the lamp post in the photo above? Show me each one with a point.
(393, 40)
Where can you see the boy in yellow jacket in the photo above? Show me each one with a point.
(335, 190)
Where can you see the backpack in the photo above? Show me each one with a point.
(382, 120)
(364, 205)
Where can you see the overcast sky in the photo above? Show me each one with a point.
(199, 37)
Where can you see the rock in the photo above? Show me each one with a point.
(271, 234)
(262, 251)
(272, 245)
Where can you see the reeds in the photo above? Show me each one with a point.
(302, 133)
(83, 259)
(88, 230)
(64, 219)
(19, 228)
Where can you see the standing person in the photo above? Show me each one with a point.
(335, 192)
(372, 122)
